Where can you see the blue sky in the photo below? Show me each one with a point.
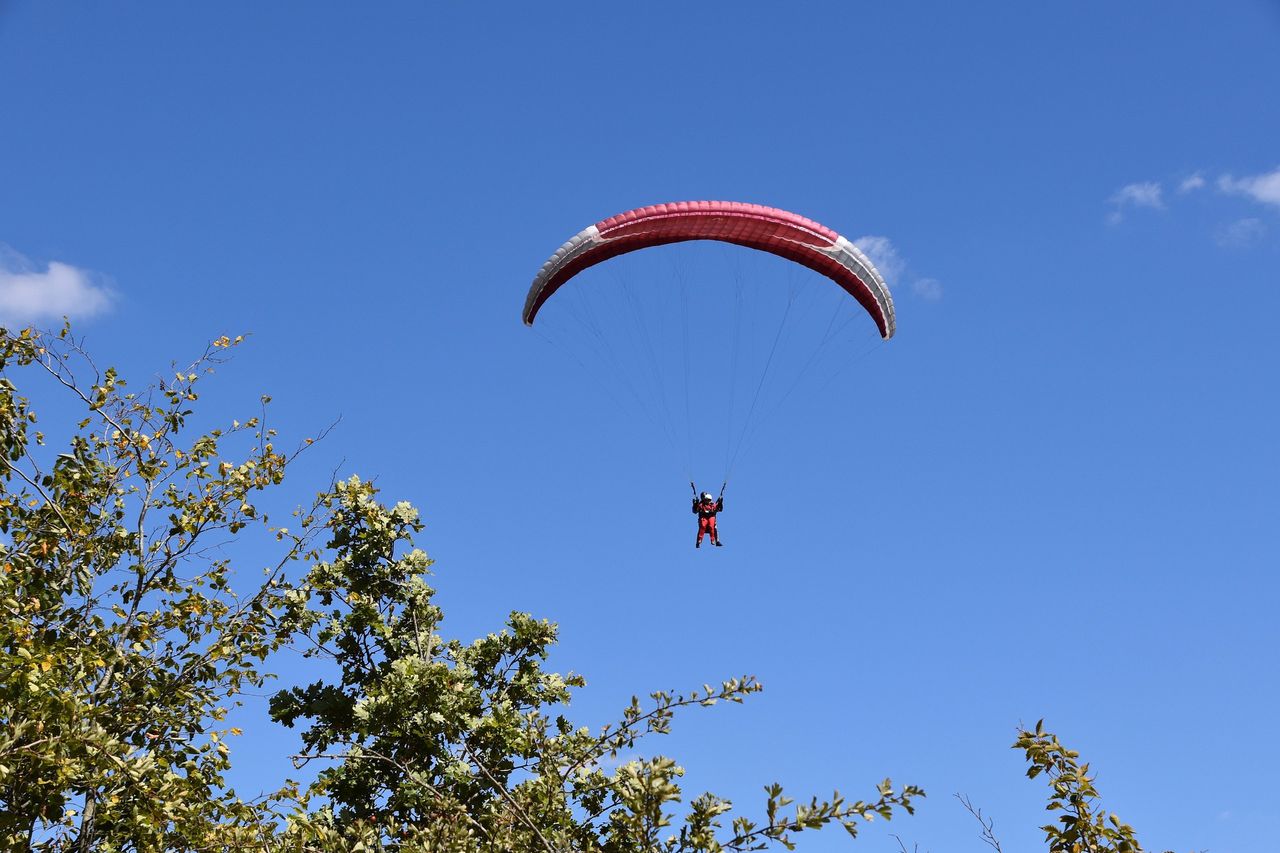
(1053, 494)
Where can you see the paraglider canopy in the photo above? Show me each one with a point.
(755, 226)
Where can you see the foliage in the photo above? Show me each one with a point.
(1081, 827)
(122, 643)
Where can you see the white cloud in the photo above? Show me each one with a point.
(1241, 233)
(1264, 188)
(29, 296)
(883, 255)
(1145, 194)
(1191, 182)
(928, 289)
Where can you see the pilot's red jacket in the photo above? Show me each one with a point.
(706, 512)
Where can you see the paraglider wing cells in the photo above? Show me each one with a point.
(779, 232)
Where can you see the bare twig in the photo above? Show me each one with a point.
(988, 824)
(902, 847)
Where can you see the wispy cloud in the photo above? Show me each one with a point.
(1264, 188)
(1240, 234)
(1144, 194)
(1191, 183)
(1243, 232)
(882, 253)
(29, 295)
(928, 289)
(893, 267)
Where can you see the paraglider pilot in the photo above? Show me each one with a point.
(705, 508)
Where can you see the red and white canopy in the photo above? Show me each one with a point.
(755, 226)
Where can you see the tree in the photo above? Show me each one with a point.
(1082, 826)
(125, 637)
(123, 643)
